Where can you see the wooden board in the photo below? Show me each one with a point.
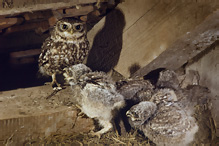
(150, 27)
(187, 47)
(20, 6)
(26, 114)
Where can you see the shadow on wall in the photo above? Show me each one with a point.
(107, 45)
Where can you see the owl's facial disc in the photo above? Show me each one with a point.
(71, 31)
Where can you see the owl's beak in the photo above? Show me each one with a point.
(71, 31)
(128, 113)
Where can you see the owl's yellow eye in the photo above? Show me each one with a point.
(64, 27)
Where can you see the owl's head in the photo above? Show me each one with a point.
(74, 72)
(141, 112)
(70, 29)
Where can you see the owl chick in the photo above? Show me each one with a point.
(67, 45)
(163, 121)
(99, 97)
(135, 90)
(139, 115)
(168, 79)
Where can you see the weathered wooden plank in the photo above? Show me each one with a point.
(7, 22)
(27, 26)
(71, 12)
(84, 10)
(20, 6)
(43, 25)
(37, 15)
(152, 26)
(26, 53)
(27, 114)
(187, 47)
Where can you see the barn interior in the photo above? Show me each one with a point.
(128, 39)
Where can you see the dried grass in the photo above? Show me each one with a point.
(111, 138)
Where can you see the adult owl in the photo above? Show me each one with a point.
(67, 45)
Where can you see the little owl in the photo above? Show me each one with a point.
(67, 45)
(99, 98)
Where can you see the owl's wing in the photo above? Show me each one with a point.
(133, 87)
(170, 121)
(43, 58)
(171, 126)
(97, 78)
(97, 94)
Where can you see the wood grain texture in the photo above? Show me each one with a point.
(152, 26)
(187, 47)
(27, 114)
(20, 6)
(7, 22)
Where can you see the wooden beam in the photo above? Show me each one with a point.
(152, 26)
(71, 12)
(7, 22)
(187, 47)
(28, 26)
(37, 15)
(27, 114)
(84, 10)
(21, 6)
(26, 53)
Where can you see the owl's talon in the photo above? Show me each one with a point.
(78, 106)
(82, 115)
(66, 75)
(57, 88)
(92, 133)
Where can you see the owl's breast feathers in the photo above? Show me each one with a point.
(99, 88)
(55, 56)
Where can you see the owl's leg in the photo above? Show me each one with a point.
(107, 125)
(55, 84)
(80, 114)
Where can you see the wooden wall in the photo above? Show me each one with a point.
(147, 28)
(208, 69)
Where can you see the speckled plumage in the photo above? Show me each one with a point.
(163, 120)
(99, 97)
(135, 90)
(168, 79)
(67, 45)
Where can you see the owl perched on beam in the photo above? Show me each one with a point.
(67, 45)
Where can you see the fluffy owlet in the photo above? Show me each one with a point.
(168, 79)
(67, 45)
(99, 97)
(163, 121)
(135, 90)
